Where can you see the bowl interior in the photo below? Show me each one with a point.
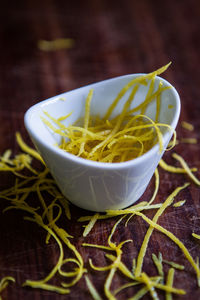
(104, 94)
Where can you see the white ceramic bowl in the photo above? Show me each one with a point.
(93, 185)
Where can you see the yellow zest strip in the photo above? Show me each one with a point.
(187, 126)
(63, 235)
(149, 93)
(174, 265)
(6, 156)
(20, 206)
(125, 108)
(149, 285)
(77, 273)
(112, 213)
(46, 287)
(187, 169)
(107, 284)
(41, 283)
(57, 44)
(132, 210)
(95, 295)
(189, 140)
(167, 288)
(90, 225)
(131, 83)
(158, 103)
(143, 127)
(72, 273)
(27, 149)
(125, 286)
(62, 118)
(50, 213)
(173, 169)
(139, 294)
(158, 263)
(157, 182)
(121, 267)
(175, 240)
(86, 119)
(56, 121)
(143, 248)
(104, 268)
(97, 246)
(179, 203)
(143, 104)
(170, 279)
(54, 129)
(102, 217)
(197, 236)
(133, 265)
(4, 283)
(153, 281)
(65, 205)
(86, 131)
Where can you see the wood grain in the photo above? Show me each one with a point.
(111, 38)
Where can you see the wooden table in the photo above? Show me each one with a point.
(111, 38)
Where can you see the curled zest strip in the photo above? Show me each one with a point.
(27, 149)
(4, 283)
(173, 169)
(116, 260)
(186, 168)
(43, 283)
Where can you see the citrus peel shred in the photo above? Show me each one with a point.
(119, 138)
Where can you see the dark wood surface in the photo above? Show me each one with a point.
(111, 38)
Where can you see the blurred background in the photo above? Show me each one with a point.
(110, 38)
(100, 39)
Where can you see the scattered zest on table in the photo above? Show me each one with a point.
(50, 205)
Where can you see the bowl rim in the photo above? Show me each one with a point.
(90, 163)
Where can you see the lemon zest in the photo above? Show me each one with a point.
(62, 118)
(4, 283)
(157, 183)
(173, 169)
(170, 279)
(122, 138)
(186, 168)
(187, 126)
(174, 265)
(57, 44)
(179, 203)
(40, 283)
(197, 236)
(90, 225)
(131, 83)
(27, 149)
(149, 285)
(158, 263)
(95, 295)
(143, 248)
(189, 140)
(86, 119)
